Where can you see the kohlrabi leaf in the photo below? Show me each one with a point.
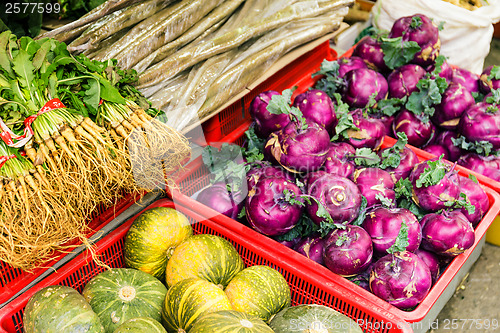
(495, 73)
(305, 227)
(403, 188)
(483, 148)
(385, 201)
(391, 157)
(427, 95)
(461, 202)
(331, 82)
(432, 174)
(494, 98)
(398, 53)
(243, 213)
(362, 212)
(345, 120)
(401, 240)
(341, 240)
(280, 104)
(416, 22)
(366, 157)
(473, 178)
(389, 107)
(252, 140)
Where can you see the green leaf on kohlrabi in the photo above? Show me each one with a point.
(493, 99)
(495, 73)
(401, 240)
(398, 53)
(281, 104)
(366, 157)
(483, 148)
(362, 212)
(389, 107)
(391, 157)
(416, 22)
(432, 174)
(344, 118)
(331, 82)
(473, 178)
(421, 102)
(341, 240)
(385, 201)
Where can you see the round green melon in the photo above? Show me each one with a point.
(187, 300)
(312, 318)
(141, 325)
(120, 294)
(229, 321)
(152, 238)
(204, 256)
(260, 291)
(60, 309)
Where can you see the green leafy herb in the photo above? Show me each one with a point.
(224, 164)
(493, 99)
(483, 148)
(341, 240)
(401, 240)
(404, 191)
(385, 201)
(473, 178)
(362, 212)
(416, 22)
(389, 107)
(345, 120)
(280, 104)
(253, 141)
(441, 25)
(391, 157)
(331, 82)
(461, 202)
(304, 227)
(370, 31)
(366, 157)
(428, 94)
(398, 53)
(291, 198)
(243, 213)
(433, 174)
(478, 97)
(495, 73)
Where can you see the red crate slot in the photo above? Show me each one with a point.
(306, 286)
(13, 280)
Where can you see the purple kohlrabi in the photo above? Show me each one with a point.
(419, 132)
(266, 122)
(348, 251)
(219, 198)
(339, 196)
(363, 85)
(432, 261)
(402, 279)
(376, 185)
(420, 29)
(466, 78)
(318, 107)
(454, 101)
(403, 80)
(347, 64)
(338, 161)
(370, 132)
(369, 49)
(486, 84)
(477, 197)
(488, 166)
(447, 234)
(445, 139)
(481, 122)
(311, 247)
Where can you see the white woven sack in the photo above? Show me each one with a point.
(466, 34)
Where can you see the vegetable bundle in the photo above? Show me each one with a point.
(192, 56)
(70, 141)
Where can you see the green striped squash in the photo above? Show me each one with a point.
(308, 318)
(152, 238)
(141, 325)
(187, 300)
(229, 321)
(60, 309)
(120, 294)
(204, 256)
(260, 291)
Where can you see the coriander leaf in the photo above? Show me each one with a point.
(366, 157)
(401, 240)
(398, 53)
(432, 174)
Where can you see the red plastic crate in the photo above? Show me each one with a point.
(306, 286)
(13, 280)
(198, 176)
(226, 121)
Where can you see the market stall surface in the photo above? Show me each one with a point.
(475, 306)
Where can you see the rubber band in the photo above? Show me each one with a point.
(4, 159)
(8, 136)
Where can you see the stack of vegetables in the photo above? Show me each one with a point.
(73, 137)
(179, 282)
(443, 109)
(312, 175)
(193, 56)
